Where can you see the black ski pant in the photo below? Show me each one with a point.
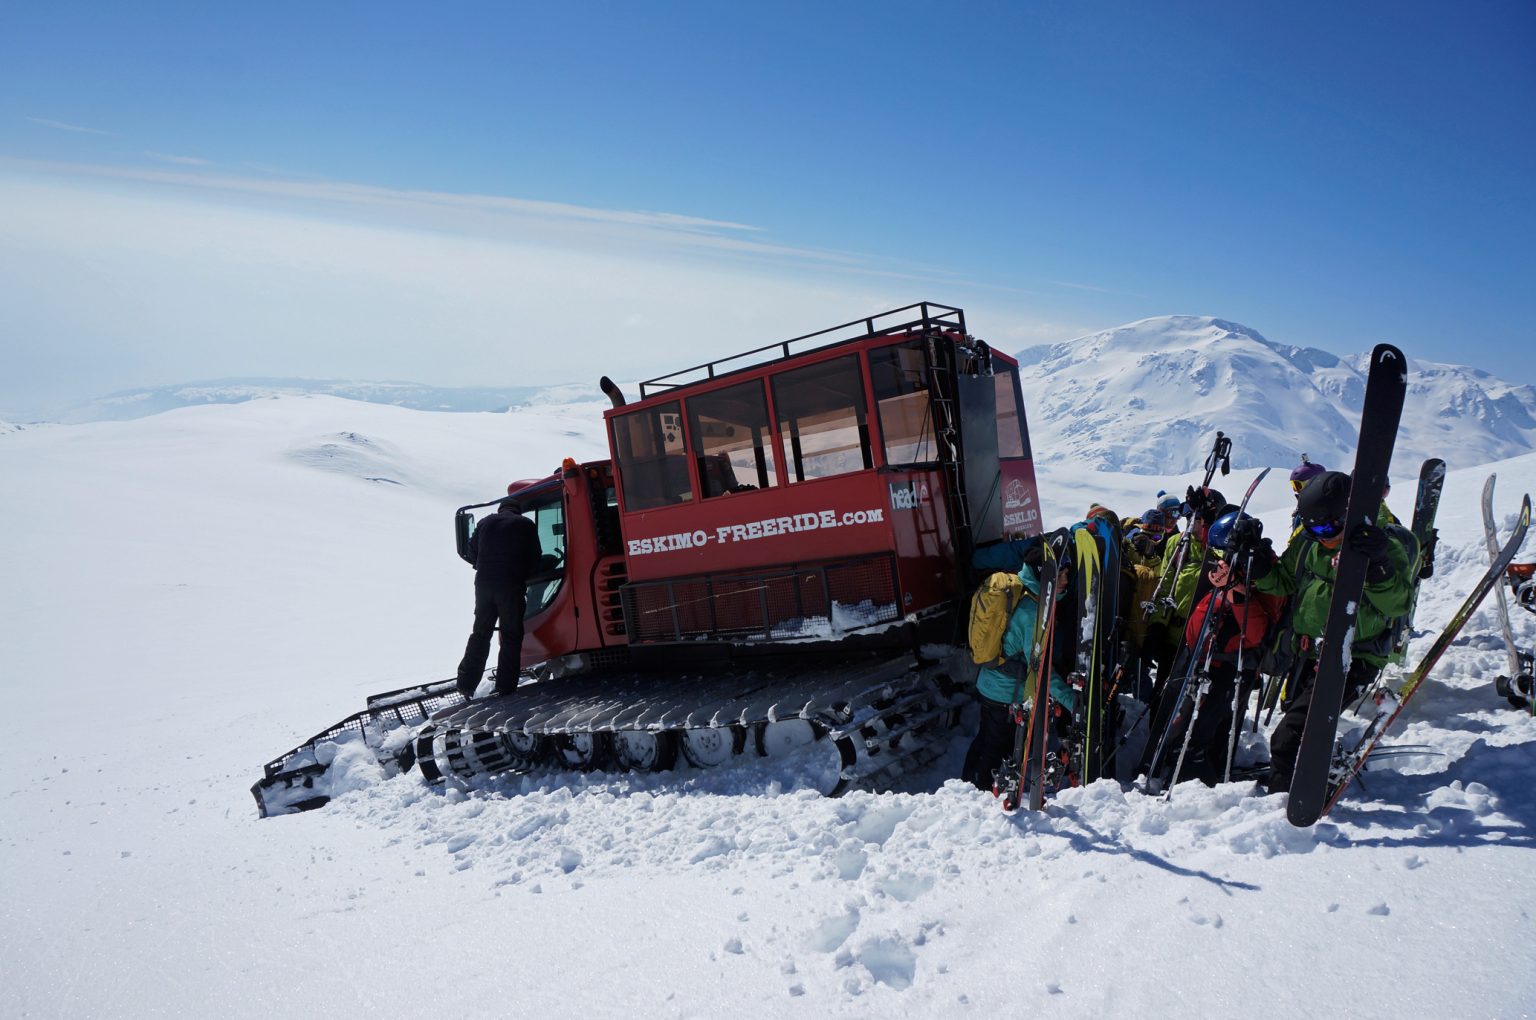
(1160, 648)
(495, 606)
(1286, 740)
(1168, 695)
(993, 746)
(1214, 736)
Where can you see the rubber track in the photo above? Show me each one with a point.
(877, 714)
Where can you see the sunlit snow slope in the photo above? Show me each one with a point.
(191, 593)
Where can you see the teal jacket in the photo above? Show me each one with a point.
(1019, 646)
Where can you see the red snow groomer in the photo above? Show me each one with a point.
(775, 554)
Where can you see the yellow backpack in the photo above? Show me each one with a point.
(991, 607)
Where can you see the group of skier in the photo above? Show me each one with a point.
(1202, 617)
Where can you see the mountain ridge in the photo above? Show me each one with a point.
(1093, 397)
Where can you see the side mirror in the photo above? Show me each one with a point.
(463, 527)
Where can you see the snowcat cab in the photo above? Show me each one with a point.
(775, 536)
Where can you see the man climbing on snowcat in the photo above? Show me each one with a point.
(505, 551)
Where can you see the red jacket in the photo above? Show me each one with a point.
(1241, 619)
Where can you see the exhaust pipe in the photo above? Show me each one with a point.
(611, 391)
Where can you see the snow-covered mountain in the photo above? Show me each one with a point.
(1149, 396)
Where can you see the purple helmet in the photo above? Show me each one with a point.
(1304, 473)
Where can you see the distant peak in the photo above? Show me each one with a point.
(1148, 395)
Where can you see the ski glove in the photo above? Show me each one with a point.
(1205, 504)
(1262, 562)
(1427, 555)
(1246, 532)
(1372, 543)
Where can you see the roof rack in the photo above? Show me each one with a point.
(897, 320)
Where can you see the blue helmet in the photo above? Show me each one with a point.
(1221, 530)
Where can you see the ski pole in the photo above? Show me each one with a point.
(1220, 456)
(1189, 731)
(1203, 689)
(1237, 681)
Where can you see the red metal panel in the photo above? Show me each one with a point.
(1021, 499)
(821, 519)
(921, 528)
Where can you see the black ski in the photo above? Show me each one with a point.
(1385, 389)
(1426, 503)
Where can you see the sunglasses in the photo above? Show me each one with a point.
(1325, 529)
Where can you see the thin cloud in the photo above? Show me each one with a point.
(516, 219)
(632, 237)
(1094, 289)
(59, 125)
(166, 157)
(486, 215)
(373, 195)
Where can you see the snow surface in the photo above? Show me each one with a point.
(195, 592)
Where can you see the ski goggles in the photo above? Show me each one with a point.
(1324, 529)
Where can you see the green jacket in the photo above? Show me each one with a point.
(1184, 585)
(1019, 646)
(1306, 574)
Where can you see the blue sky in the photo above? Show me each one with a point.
(498, 194)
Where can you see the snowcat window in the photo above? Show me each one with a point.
(549, 517)
(900, 376)
(733, 439)
(823, 420)
(653, 461)
(1011, 441)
